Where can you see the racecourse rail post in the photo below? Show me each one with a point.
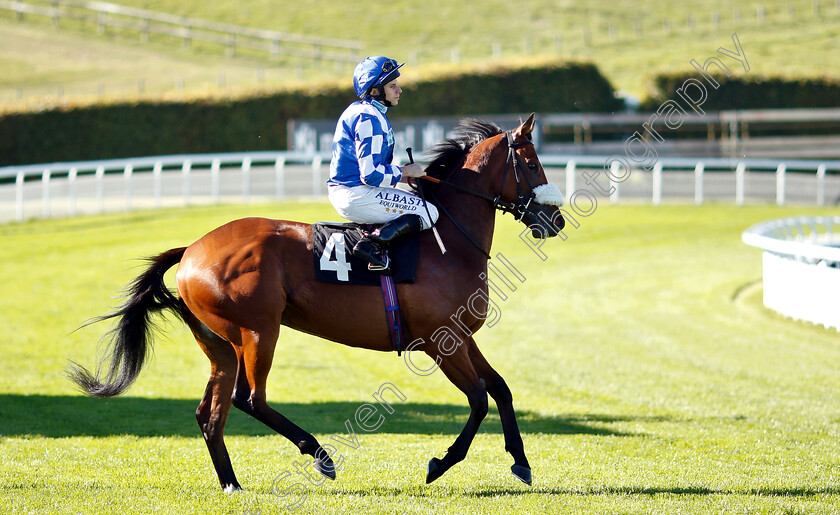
(657, 184)
(821, 186)
(740, 177)
(780, 185)
(186, 170)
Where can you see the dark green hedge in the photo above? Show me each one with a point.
(569, 87)
(259, 123)
(749, 91)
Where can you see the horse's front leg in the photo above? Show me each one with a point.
(498, 389)
(459, 369)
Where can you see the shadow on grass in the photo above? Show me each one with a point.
(521, 490)
(804, 491)
(59, 416)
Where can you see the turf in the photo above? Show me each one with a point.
(647, 376)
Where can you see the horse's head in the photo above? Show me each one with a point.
(519, 185)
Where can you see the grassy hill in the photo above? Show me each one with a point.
(628, 41)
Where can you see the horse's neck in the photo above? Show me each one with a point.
(475, 216)
(472, 217)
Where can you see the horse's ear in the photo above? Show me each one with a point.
(526, 127)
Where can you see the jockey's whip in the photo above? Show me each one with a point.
(423, 198)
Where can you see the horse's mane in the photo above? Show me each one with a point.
(450, 153)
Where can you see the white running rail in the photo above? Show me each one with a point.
(801, 267)
(84, 187)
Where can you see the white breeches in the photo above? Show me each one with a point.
(373, 205)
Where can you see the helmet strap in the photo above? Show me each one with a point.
(380, 96)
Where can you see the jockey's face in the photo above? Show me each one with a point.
(392, 92)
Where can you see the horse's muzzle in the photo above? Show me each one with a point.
(544, 221)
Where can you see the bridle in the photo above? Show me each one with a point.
(517, 209)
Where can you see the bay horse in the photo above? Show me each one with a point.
(239, 283)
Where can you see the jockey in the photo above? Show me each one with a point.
(362, 179)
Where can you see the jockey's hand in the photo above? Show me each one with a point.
(412, 170)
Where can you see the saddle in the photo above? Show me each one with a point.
(332, 251)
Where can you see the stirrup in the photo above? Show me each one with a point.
(370, 252)
(385, 268)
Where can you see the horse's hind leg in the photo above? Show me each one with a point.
(249, 396)
(498, 389)
(213, 410)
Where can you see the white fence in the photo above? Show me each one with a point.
(710, 179)
(85, 187)
(801, 267)
(68, 189)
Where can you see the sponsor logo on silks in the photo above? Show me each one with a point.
(397, 208)
(396, 198)
(396, 203)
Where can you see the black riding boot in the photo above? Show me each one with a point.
(372, 247)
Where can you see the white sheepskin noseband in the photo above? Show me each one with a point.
(549, 195)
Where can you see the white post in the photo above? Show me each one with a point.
(280, 178)
(570, 177)
(19, 180)
(45, 183)
(246, 179)
(740, 176)
(127, 173)
(698, 183)
(185, 170)
(71, 180)
(615, 193)
(780, 185)
(100, 189)
(158, 180)
(316, 176)
(657, 183)
(821, 186)
(214, 179)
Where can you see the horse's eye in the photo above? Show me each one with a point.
(532, 166)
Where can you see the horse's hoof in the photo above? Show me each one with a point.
(522, 473)
(434, 471)
(229, 489)
(326, 469)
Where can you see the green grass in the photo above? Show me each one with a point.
(647, 376)
(39, 63)
(425, 34)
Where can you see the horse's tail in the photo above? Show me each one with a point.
(130, 340)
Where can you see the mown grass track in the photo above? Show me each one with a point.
(647, 376)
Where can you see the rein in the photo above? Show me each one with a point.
(516, 209)
(456, 224)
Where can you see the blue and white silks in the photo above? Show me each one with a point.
(363, 147)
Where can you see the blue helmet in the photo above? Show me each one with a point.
(373, 72)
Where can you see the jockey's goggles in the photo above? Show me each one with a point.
(387, 67)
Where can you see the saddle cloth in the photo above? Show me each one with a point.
(332, 251)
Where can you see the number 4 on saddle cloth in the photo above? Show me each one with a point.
(332, 251)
